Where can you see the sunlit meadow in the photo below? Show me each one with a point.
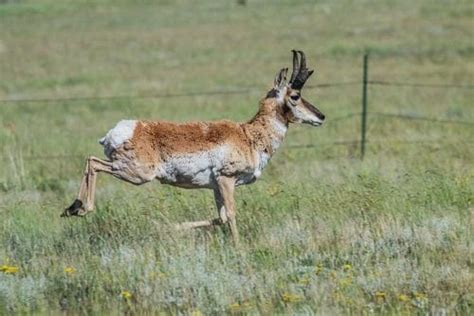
(322, 231)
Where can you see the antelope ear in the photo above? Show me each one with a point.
(280, 79)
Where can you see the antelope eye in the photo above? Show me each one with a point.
(295, 97)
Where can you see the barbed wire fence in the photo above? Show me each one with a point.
(364, 114)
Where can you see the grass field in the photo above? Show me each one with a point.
(322, 232)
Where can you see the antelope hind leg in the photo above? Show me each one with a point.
(77, 207)
(84, 202)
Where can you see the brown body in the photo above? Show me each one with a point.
(194, 155)
(216, 155)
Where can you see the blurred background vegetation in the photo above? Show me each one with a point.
(323, 231)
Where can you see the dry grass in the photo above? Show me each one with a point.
(322, 231)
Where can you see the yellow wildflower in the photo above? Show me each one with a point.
(162, 275)
(273, 190)
(403, 298)
(318, 269)
(9, 269)
(291, 298)
(239, 306)
(347, 267)
(345, 281)
(419, 296)
(70, 270)
(380, 296)
(12, 270)
(246, 304)
(158, 274)
(126, 295)
(337, 296)
(196, 313)
(234, 306)
(303, 281)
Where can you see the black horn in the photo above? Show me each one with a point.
(300, 72)
(296, 66)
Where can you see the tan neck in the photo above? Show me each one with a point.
(267, 129)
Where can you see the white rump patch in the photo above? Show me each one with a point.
(114, 138)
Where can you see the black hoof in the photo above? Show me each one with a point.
(75, 209)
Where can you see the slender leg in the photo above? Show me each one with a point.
(226, 188)
(224, 196)
(77, 207)
(198, 224)
(211, 222)
(221, 211)
(92, 179)
(85, 198)
(95, 165)
(83, 186)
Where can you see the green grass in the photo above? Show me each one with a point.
(322, 232)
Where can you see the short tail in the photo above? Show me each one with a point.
(102, 141)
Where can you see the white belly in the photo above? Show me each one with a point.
(197, 170)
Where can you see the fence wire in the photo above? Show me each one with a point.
(249, 90)
(355, 142)
(419, 85)
(165, 95)
(421, 118)
(403, 117)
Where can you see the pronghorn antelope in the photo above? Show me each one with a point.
(216, 155)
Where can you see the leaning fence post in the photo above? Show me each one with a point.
(364, 106)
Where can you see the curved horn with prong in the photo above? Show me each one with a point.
(300, 72)
(296, 66)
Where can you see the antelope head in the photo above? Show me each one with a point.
(288, 95)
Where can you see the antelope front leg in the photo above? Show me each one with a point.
(226, 204)
(222, 219)
(199, 224)
(224, 196)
